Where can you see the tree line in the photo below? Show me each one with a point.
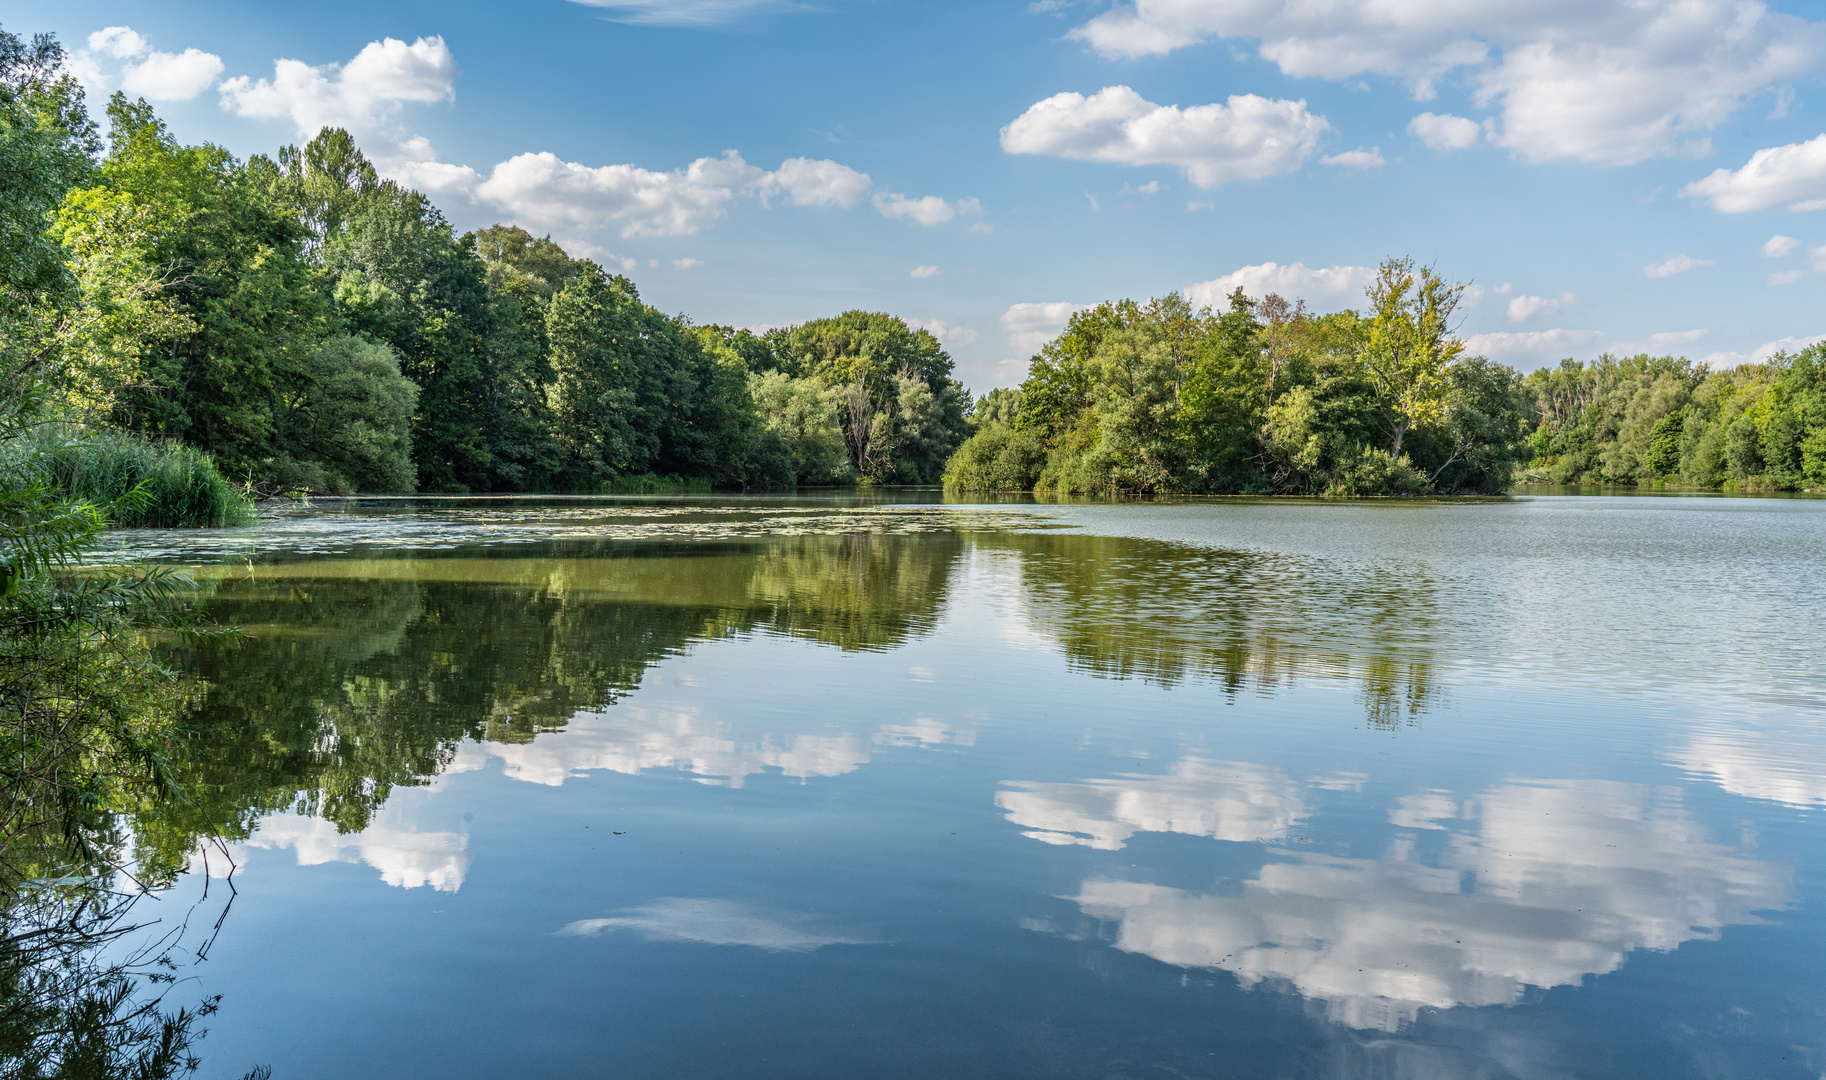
(312, 326)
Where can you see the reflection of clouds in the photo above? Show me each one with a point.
(1221, 799)
(923, 731)
(1562, 880)
(722, 922)
(1759, 765)
(628, 739)
(405, 858)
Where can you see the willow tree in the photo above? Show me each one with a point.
(1408, 346)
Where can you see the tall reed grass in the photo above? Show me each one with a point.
(177, 486)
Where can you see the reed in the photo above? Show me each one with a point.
(142, 483)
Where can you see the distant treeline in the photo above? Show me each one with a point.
(1268, 399)
(1658, 420)
(313, 327)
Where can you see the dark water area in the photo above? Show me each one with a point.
(896, 787)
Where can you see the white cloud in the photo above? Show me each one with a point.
(172, 77)
(158, 76)
(1195, 206)
(981, 228)
(630, 740)
(686, 264)
(1785, 277)
(1541, 884)
(1759, 763)
(406, 859)
(360, 95)
(685, 12)
(1674, 264)
(1523, 308)
(1221, 799)
(1249, 138)
(1325, 285)
(1794, 174)
(1761, 353)
(823, 182)
(119, 42)
(1360, 158)
(1443, 131)
(722, 922)
(949, 336)
(1817, 258)
(1666, 341)
(546, 191)
(1607, 81)
(1532, 347)
(1030, 326)
(1778, 246)
(925, 271)
(929, 210)
(1152, 187)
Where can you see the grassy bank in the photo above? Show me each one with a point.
(139, 482)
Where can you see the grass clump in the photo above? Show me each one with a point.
(144, 483)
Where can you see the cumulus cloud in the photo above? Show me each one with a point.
(929, 210)
(924, 271)
(631, 740)
(1443, 131)
(1323, 286)
(1785, 277)
(1674, 264)
(360, 95)
(146, 72)
(1221, 799)
(722, 922)
(1540, 884)
(1762, 353)
(1031, 326)
(1523, 308)
(950, 336)
(1794, 175)
(1533, 347)
(1360, 158)
(686, 264)
(1778, 246)
(1249, 138)
(1610, 82)
(406, 858)
(544, 190)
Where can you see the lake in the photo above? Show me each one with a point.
(895, 787)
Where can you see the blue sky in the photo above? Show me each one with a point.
(1610, 174)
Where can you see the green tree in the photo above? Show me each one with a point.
(1407, 345)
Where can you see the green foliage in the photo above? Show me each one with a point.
(801, 418)
(142, 482)
(1263, 398)
(349, 428)
(996, 458)
(1661, 420)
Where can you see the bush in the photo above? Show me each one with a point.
(179, 486)
(996, 458)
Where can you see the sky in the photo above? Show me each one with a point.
(1606, 175)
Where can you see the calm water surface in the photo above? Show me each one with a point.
(830, 788)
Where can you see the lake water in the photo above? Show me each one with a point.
(717, 788)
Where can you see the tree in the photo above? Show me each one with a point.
(1408, 345)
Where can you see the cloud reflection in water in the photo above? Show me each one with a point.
(1559, 880)
(722, 922)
